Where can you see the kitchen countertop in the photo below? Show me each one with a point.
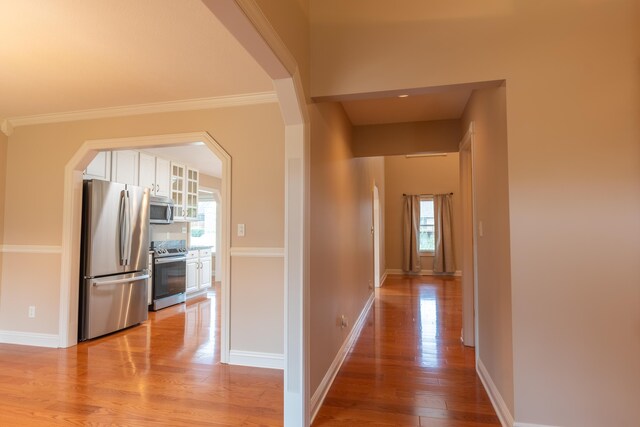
(195, 248)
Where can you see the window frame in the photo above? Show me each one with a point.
(426, 252)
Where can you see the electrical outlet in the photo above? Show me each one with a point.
(32, 311)
(343, 321)
(240, 230)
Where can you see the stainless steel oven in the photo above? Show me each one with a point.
(169, 273)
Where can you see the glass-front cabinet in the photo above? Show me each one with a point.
(177, 189)
(192, 195)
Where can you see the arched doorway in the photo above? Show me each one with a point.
(72, 207)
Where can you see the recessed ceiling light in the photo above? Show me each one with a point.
(403, 96)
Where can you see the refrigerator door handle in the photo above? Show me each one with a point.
(122, 228)
(115, 282)
(129, 237)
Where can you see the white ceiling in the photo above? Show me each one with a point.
(70, 55)
(444, 105)
(196, 156)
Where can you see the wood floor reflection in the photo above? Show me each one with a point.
(165, 372)
(408, 367)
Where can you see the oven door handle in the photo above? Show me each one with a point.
(170, 259)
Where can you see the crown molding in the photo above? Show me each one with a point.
(132, 110)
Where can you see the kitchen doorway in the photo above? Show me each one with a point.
(72, 208)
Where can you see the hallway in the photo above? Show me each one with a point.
(408, 367)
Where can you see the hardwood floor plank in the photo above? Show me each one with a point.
(165, 372)
(408, 366)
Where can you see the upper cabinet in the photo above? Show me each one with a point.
(178, 179)
(162, 177)
(184, 191)
(155, 174)
(100, 167)
(124, 167)
(191, 195)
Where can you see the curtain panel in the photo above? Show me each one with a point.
(443, 258)
(410, 234)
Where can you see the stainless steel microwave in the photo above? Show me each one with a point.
(160, 210)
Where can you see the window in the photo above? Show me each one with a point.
(427, 242)
(203, 231)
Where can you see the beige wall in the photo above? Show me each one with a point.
(257, 304)
(419, 175)
(439, 136)
(487, 110)
(341, 240)
(3, 170)
(573, 103)
(290, 19)
(210, 181)
(37, 156)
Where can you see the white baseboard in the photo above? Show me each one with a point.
(506, 419)
(322, 390)
(421, 273)
(517, 424)
(383, 278)
(29, 338)
(256, 359)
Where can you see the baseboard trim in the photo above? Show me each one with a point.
(256, 359)
(517, 424)
(29, 338)
(383, 278)
(421, 273)
(506, 419)
(322, 390)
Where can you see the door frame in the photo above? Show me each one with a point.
(376, 237)
(72, 217)
(469, 289)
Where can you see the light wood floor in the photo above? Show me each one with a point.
(408, 367)
(165, 372)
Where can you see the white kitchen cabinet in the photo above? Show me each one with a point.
(192, 273)
(100, 167)
(124, 167)
(191, 195)
(178, 189)
(163, 177)
(205, 269)
(155, 174)
(147, 171)
(198, 270)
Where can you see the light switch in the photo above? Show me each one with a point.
(240, 230)
(480, 229)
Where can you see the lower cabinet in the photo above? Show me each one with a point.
(198, 270)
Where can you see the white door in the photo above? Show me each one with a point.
(376, 237)
(163, 177)
(147, 171)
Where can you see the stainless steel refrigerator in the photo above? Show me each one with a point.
(114, 267)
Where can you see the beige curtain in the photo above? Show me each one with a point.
(410, 234)
(443, 261)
